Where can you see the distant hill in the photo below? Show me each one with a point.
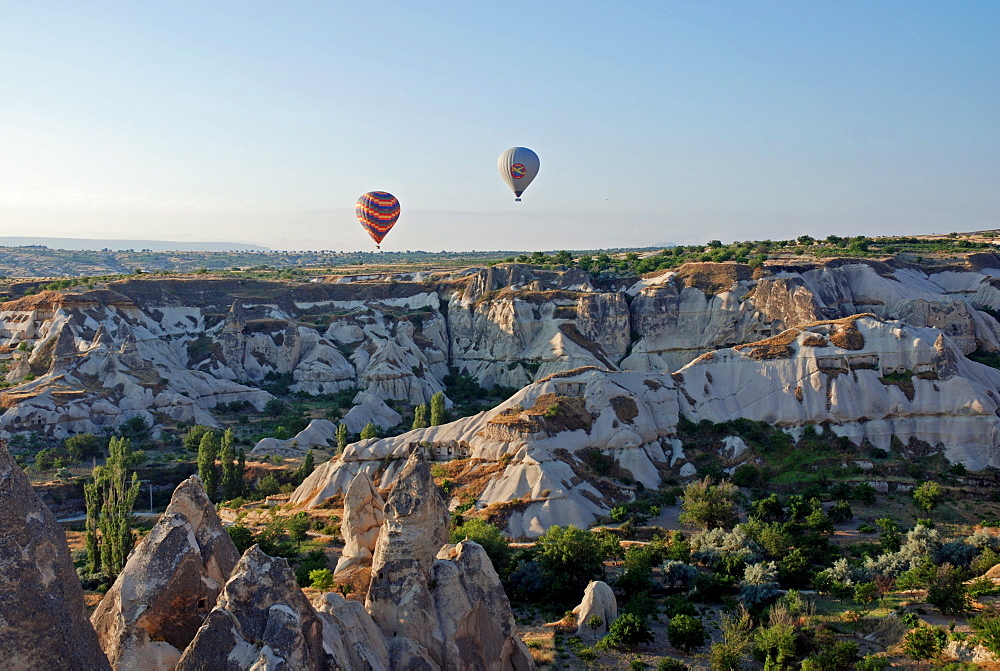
(134, 245)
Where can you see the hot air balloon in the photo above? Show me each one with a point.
(518, 166)
(377, 211)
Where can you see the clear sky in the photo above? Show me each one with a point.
(655, 122)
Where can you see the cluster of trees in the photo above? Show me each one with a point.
(109, 497)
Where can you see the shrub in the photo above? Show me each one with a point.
(924, 642)
(987, 628)
(670, 664)
(570, 558)
(759, 583)
(84, 446)
(708, 505)
(840, 512)
(928, 495)
(242, 537)
(947, 592)
(686, 633)
(628, 631)
(321, 579)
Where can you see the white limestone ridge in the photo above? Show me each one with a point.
(854, 373)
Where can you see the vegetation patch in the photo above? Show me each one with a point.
(902, 380)
(775, 347)
(713, 278)
(625, 408)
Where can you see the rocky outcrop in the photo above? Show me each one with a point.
(598, 602)
(473, 613)
(370, 409)
(350, 636)
(363, 518)
(169, 584)
(43, 622)
(415, 528)
(262, 620)
(320, 433)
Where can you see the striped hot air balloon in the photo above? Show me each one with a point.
(518, 166)
(377, 211)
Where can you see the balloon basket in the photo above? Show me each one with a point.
(517, 200)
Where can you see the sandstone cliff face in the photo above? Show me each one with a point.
(43, 622)
(169, 584)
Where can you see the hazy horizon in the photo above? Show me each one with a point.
(263, 123)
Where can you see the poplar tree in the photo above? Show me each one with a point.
(207, 470)
(370, 431)
(437, 409)
(341, 437)
(420, 416)
(232, 480)
(109, 499)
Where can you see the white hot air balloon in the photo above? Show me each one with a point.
(518, 166)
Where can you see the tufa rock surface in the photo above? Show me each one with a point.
(43, 622)
(599, 601)
(262, 620)
(169, 585)
(363, 518)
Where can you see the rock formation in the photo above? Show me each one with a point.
(473, 614)
(415, 528)
(169, 584)
(350, 636)
(262, 620)
(320, 433)
(598, 602)
(43, 621)
(362, 523)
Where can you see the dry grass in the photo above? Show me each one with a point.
(542, 646)
(625, 408)
(814, 341)
(570, 373)
(775, 347)
(712, 278)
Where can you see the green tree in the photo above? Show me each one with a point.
(83, 446)
(438, 412)
(628, 631)
(686, 633)
(708, 505)
(420, 417)
(924, 642)
(192, 439)
(109, 498)
(987, 628)
(341, 437)
(307, 467)
(242, 537)
(737, 632)
(321, 579)
(570, 558)
(947, 591)
(370, 431)
(298, 526)
(928, 495)
(207, 469)
(232, 476)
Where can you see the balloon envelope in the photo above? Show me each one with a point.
(377, 211)
(518, 166)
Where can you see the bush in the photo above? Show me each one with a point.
(570, 558)
(928, 495)
(924, 642)
(710, 506)
(840, 512)
(987, 628)
(686, 633)
(628, 631)
(84, 446)
(242, 537)
(321, 579)
(947, 592)
(670, 664)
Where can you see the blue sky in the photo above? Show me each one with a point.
(655, 122)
